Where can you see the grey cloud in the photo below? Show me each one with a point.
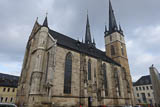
(69, 17)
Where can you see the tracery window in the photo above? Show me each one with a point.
(105, 79)
(112, 50)
(89, 69)
(117, 83)
(68, 74)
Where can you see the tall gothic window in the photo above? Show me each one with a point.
(112, 50)
(89, 69)
(68, 74)
(47, 66)
(126, 80)
(117, 83)
(105, 79)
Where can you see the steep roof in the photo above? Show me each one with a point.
(8, 80)
(144, 80)
(78, 46)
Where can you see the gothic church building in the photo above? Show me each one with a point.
(59, 71)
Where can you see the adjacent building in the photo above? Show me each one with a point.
(155, 77)
(61, 71)
(8, 88)
(143, 90)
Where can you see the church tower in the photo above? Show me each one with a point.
(116, 48)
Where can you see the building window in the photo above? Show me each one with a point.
(137, 88)
(137, 94)
(6, 99)
(105, 79)
(8, 89)
(112, 50)
(139, 100)
(11, 99)
(143, 88)
(149, 94)
(4, 89)
(122, 50)
(1, 99)
(147, 87)
(68, 74)
(150, 101)
(110, 37)
(13, 90)
(151, 87)
(89, 69)
(117, 83)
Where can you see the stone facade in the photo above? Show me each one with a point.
(42, 79)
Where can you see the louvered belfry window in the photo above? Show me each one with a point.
(112, 50)
(68, 74)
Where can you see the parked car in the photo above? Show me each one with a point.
(7, 105)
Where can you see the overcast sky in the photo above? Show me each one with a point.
(140, 20)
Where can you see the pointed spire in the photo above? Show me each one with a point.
(88, 39)
(94, 43)
(120, 29)
(45, 23)
(112, 20)
(105, 28)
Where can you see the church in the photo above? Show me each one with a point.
(59, 71)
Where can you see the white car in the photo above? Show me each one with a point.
(7, 105)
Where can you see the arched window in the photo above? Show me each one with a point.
(117, 83)
(89, 69)
(126, 80)
(105, 79)
(112, 50)
(68, 74)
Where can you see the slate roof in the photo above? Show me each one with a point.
(78, 46)
(8, 80)
(144, 80)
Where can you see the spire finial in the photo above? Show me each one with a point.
(112, 20)
(37, 19)
(45, 23)
(120, 28)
